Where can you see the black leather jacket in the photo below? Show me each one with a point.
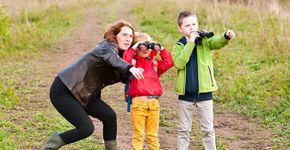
(95, 70)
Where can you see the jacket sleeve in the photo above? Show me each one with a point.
(166, 61)
(112, 58)
(129, 55)
(181, 54)
(217, 42)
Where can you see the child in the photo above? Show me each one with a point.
(145, 93)
(195, 79)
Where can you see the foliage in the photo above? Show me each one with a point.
(35, 29)
(5, 24)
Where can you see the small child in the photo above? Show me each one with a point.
(195, 79)
(145, 93)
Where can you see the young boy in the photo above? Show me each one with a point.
(195, 79)
(145, 93)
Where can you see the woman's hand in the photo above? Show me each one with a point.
(137, 72)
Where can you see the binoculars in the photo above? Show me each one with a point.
(202, 34)
(149, 45)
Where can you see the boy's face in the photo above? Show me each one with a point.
(188, 26)
(143, 53)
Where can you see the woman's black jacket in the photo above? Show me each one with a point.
(95, 70)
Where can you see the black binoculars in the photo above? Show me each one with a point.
(202, 34)
(149, 45)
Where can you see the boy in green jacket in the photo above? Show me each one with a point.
(195, 79)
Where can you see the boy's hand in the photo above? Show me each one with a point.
(193, 36)
(136, 45)
(231, 34)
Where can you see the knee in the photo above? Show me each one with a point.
(208, 133)
(110, 117)
(183, 133)
(87, 130)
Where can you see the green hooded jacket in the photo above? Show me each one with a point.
(181, 54)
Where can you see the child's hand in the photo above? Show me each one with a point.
(136, 45)
(193, 36)
(231, 34)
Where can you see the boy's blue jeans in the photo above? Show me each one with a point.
(205, 113)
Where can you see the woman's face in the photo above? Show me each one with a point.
(125, 38)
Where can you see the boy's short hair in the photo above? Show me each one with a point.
(183, 15)
(141, 36)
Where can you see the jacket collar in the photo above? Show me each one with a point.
(183, 40)
(106, 44)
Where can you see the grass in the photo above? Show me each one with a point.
(22, 117)
(33, 32)
(252, 71)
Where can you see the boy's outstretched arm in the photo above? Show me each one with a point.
(219, 41)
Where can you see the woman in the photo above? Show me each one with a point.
(76, 91)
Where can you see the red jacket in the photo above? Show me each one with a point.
(150, 85)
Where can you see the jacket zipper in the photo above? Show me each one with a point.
(197, 77)
(210, 75)
(184, 81)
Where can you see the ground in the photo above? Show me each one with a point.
(234, 130)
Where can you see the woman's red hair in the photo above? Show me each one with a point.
(114, 30)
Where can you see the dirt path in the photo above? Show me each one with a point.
(235, 131)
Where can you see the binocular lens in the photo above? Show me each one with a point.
(148, 45)
(142, 47)
(156, 47)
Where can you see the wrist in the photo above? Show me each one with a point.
(129, 68)
(226, 36)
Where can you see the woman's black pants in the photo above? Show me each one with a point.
(69, 107)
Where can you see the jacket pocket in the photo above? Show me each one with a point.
(211, 76)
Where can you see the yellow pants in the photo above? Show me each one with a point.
(145, 117)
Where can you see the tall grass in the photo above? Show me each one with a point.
(25, 36)
(34, 31)
(252, 71)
